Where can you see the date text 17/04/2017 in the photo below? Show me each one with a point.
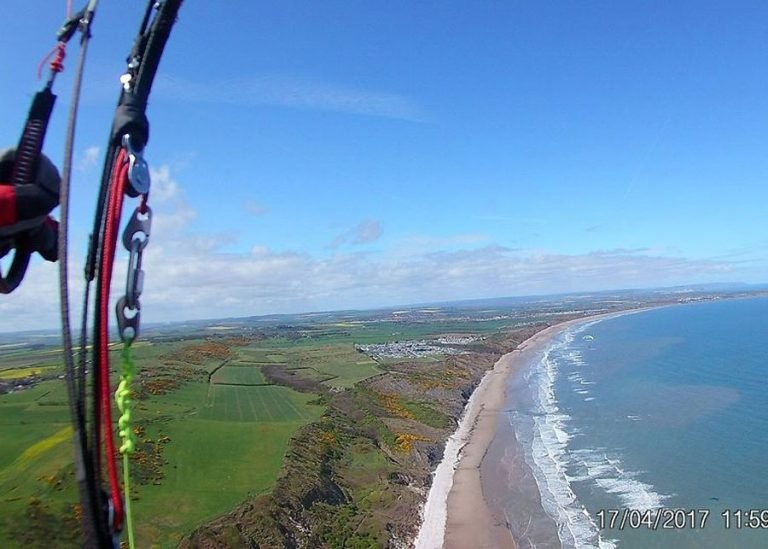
(678, 519)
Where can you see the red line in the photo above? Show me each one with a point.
(112, 222)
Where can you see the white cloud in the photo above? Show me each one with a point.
(174, 213)
(88, 158)
(364, 232)
(367, 231)
(288, 91)
(186, 282)
(192, 275)
(164, 187)
(166, 221)
(422, 244)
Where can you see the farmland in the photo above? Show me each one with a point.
(263, 404)
(213, 430)
(235, 430)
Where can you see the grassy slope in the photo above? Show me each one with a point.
(212, 466)
(357, 477)
(206, 447)
(35, 459)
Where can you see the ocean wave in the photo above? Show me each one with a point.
(606, 469)
(547, 435)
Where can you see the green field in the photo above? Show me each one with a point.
(213, 466)
(221, 443)
(205, 444)
(18, 373)
(219, 452)
(261, 404)
(262, 356)
(346, 375)
(336, 365)
(240, 374)
(35, 454)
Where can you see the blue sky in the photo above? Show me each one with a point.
(320, 156)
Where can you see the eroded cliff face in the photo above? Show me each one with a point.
(359, 476)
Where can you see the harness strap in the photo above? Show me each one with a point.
(31, 142)
(29, 187)
(32, 195)
(16, 272)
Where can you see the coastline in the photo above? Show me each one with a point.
(457, 513)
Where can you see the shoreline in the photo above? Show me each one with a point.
(457, 513)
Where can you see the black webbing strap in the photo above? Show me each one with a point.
(11, 280)
(31, 142)
(33, 200)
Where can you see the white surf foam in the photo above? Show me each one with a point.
(548, 458)
(551, 458)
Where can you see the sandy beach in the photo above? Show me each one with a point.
(470, 522)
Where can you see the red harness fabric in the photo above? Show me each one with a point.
(7, 205)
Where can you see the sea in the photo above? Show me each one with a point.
(645, 430)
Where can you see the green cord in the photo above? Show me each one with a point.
(124, 402)
(128, 514)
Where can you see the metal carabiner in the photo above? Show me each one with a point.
(138, 169)
(127, 325)
(135, 239)
(138, 223)
(134, 283)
